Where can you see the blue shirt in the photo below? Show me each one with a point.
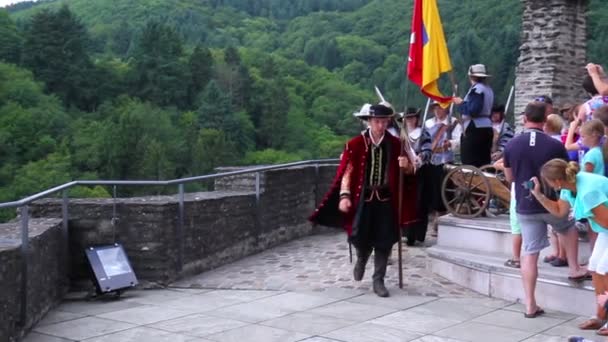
(591, 191)
(525, 154)
(595, 157)
(477, 105)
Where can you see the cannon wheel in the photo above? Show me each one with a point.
(465, 191)
(500, 175)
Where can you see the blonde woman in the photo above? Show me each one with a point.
(587, 195)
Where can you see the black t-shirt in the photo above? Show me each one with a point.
(525, 154)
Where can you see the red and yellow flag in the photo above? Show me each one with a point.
(428, 57)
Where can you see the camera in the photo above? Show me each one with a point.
(528, 185)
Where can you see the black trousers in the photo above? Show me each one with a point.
(376, 227)
(429, 180)
(476, 145)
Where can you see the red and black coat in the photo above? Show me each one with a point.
(355, 154)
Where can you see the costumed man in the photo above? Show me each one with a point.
(363, 198)
(476, 141)
(503, 132)
(445, 132)
(420, 140)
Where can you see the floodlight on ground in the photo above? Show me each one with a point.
(111, 268)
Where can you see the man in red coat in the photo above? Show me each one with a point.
(363, 198)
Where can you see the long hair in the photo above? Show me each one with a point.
(559, 169)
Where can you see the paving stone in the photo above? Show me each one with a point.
(308, 323)
(297, 292)
(398, 300)
(485, 301)
(245, 295)
(506, 318)
(56, 316)
(146, 314)
(252, 312)
(368, 332)
(95, 307)
(154, 296)
(199, 325)
(295, 301)
(201, 303)
(322, 270)
(141, 334)
(352, 311)
(189, 290)
(544, 338)
(257, 333)
(570, 328)
(36, 337)
(82, 328)
(550, 313)
(319, 339)
(336, 293)
(411, 321)
(430, 338)
(447, 310)
(478, 332)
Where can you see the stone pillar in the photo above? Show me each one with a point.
(552, 53)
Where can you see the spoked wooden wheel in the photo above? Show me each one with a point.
(465, 191)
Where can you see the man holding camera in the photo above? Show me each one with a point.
(524, 156)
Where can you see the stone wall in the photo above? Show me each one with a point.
(552, 53)
(46, 277)
(219, 226)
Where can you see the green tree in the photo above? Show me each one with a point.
(216, 112)
(129, 130)
(210, 151)
(158, 74)
(55, 50)
(10, 40)
(201, 68)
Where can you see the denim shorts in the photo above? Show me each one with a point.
(534, 230)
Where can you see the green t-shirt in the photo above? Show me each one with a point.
(591, 191)
(595, 157)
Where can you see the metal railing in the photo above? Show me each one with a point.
(23, 206)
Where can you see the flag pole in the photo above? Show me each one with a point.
(403, 136)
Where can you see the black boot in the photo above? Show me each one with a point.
(359, 270)
(380, 262)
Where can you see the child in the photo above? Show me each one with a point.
(591, 136)
(553, 127)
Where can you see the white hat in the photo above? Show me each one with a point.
(478, 70)
(364, 111)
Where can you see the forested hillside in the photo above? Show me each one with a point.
(156, 89)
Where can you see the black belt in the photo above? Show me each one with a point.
(381, 193)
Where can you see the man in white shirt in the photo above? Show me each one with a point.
(445, 132)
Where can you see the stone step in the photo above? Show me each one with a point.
(486, 235)
(485, 273)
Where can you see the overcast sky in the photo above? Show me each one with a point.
(8, 2)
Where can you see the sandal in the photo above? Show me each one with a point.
(535, 314)
(557, 262)
(549, 258)
(586, 276)
(513, 263)
(603, 331)
(592, 324)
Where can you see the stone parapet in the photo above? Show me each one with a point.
(47, 274)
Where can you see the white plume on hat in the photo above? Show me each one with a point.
(364, 111)
(382, 99)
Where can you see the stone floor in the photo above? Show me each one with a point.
(302, 291)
